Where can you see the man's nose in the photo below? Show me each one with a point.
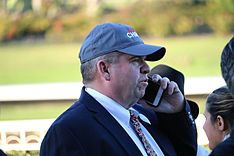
(145, 69)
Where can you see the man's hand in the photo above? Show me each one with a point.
(173, 99)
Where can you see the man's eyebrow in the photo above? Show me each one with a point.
(139, 57)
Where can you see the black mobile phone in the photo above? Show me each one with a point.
(153, 93)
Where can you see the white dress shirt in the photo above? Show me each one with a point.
(122, 116)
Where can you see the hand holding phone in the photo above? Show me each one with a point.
(153, 93)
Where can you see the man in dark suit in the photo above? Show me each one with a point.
(114, 74)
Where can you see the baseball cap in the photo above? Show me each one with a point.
(110, 37)
(176, 76)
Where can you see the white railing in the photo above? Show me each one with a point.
(23, 135)
(61, 91)
(28, 134)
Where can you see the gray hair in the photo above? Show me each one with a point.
(89, 68)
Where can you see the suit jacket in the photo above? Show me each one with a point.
(87, 129)
(226, 148)
(2, 153)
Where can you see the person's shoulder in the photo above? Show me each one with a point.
(70, 114)
(225, 148)
(2, 153)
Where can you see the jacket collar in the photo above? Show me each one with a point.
(108, 122)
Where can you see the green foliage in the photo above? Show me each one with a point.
(226, 5)
(219, 18)
(70, 28)
(23, 23)
(222, 23)
(62, 21)
(22, 153)
(40, 25)
(17, 27)
(174, 18)
(4, 25)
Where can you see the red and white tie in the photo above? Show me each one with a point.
(137, 128)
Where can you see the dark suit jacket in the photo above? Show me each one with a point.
(2, 153)
(226, 148)
(87, 129)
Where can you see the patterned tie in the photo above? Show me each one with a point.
(137, 128)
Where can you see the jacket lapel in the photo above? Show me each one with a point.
(118, 133)
(109, 123)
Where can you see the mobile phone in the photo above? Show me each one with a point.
(153, 93)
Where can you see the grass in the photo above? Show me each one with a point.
(32, 110)
(40, 62)
(194, 56)
(46, 62)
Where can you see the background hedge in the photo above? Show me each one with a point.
(64, 22)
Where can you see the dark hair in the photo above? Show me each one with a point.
(220, 102)
(227, 64)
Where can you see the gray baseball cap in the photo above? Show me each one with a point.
(110, 37)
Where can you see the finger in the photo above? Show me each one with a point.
(172, 87)
(164, 82)
(156, 78)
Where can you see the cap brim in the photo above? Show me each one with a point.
(194, 108)
(152, 53)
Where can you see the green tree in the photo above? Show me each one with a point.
(227, 5)
(20, 6)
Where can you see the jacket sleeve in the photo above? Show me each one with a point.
(59, 141)
(181, 130)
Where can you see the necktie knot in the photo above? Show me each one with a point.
(134, 116)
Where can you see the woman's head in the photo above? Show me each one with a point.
(219, 115)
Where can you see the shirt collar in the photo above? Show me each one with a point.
(114, 108)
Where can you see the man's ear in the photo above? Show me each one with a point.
(220, 123)
(103, 69)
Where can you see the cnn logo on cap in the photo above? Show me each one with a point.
(132, 33)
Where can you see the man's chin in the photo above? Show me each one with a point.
(142, 94)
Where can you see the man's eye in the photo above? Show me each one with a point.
(137, 59)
